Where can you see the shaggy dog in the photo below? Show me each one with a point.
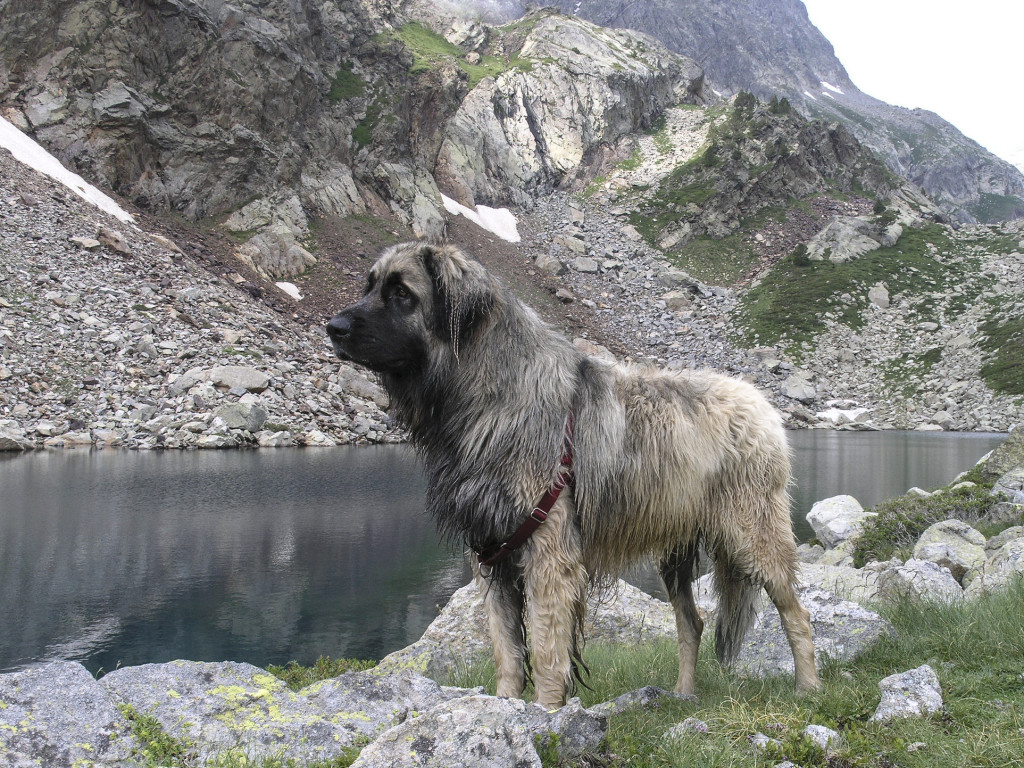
(496, 402)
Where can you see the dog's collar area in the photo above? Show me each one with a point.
(539, 515)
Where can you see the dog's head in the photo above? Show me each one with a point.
(420, 300)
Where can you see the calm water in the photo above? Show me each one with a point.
(118, 557)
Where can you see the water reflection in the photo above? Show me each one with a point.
(117, 557)
(124, 558)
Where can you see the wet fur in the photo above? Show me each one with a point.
(664, 462)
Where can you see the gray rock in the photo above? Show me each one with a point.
(1011, 485)
(550, 264)
(916, 693)
(57, 715)
(841, 630)
(857, 584)
(231, 376)
(1008, 456)
(1003, 567)
(824, 737)
(576, 730)
(584, 264)
(954, 545)
(367, 703)
(14, 439)
(995, 543)
(687, 729)
(799, 387)
(242, 416)
(474, 731)
(231, 706)
(878, 295)
(837, 519)
(677, 300)
(920, 579)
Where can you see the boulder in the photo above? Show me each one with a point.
(13, 438)
(878, 295)
(459, 635)
(1003, 567)
(57, 715)
(584, 264)
(844, 239)
(799, 387)
(916, 693)
(920, 579)
(483, 732)
(1008, 456)
(837, 519)
(954, 545)
(841, 630)
(1011, 485)
(550, 264)
(246, 416)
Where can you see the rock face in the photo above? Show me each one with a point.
(772, 48)
(521, 134)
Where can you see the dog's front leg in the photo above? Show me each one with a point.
(556, 592)
(503, 601)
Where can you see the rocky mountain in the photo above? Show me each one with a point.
(293, 140)
(772, 48)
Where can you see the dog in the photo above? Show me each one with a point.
(505, 411)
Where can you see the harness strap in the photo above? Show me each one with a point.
(540, 513)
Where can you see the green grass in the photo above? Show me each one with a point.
(346, 84)
(429, 49)
(298, 677)
(899, 522)
(721, 261)
(156, 746)
(977, 650)
(790, 301)
(1003, 343)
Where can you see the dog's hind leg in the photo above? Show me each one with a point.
(797, 625)
(677, 572)
(503, 602)
(556, 591)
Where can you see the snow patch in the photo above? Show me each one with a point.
(291, 289)
(810, 95)
(826, 93)
(28, 152)
(832, 88)
(499, 221)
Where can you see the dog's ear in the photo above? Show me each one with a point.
(463, 291)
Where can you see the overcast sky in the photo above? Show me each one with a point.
(962, 60)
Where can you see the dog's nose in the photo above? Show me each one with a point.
(339, 327)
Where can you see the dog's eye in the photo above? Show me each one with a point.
(401, 292)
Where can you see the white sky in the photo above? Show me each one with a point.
(962, 60)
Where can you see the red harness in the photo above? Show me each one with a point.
(540, 513)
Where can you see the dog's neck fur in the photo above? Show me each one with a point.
(480, 409)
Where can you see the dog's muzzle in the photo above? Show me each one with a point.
(339, 330)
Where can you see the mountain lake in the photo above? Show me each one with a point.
(116, 558)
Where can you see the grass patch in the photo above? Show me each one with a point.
(429, 49)
(1003, 342)
(719, 262)
(298, 677)
(156, 746)
(976, 648)
(346, 84)
(899, 522)
(791, 302)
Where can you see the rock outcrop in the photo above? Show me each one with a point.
(518, 135)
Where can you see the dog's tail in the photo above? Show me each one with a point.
(737, 607)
